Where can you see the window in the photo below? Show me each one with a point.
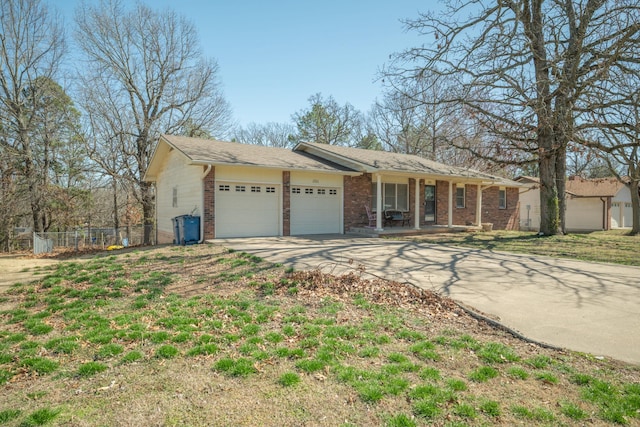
(271, 189)
(502, 198)
(241, 188)
(460, 196)
(333, 192)
(295, 190)
(255, 189)
(223, 188)
(321, 191)
(394, 196)
(308, 191)
(175, 197)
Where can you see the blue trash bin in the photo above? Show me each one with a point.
(188, 229)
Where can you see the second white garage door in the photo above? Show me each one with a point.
(247, 210)
(315, 210)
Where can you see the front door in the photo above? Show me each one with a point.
(430, 203)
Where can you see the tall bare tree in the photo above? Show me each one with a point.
(31, 50)
(521, 68)
(145, 75)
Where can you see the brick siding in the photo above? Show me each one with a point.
(357, 194)
(502, 219)
(210, 204)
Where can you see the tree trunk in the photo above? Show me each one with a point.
(147, 197)
(635, 207)
(561, 171)
(116, 219)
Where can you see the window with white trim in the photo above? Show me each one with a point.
(321, 191)
(270, 189)
(255, 189)
(308, 191)
(460, 196)
(224, 188)
(333, 191)
(295, 190)
(502, 198)
(394, 196)
(241, 188)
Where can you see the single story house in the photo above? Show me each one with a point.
(592, 204)
(242, 190)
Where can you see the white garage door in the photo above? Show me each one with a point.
(315, 210)
(247, 210)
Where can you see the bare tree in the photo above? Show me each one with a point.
(327, 122)
(521, 69)
(615, 129)
(145, 75)
(31, 50)
(270, 134)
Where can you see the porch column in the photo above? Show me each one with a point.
(450, 214)
(417, 205)
(479, 206)
(379, 202)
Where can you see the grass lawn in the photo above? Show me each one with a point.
(601, 246)
(202, 336)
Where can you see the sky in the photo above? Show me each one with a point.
(274, 55)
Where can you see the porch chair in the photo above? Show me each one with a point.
(370, 216)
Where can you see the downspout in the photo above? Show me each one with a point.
(204, 176)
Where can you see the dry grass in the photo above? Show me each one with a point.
(387, 354)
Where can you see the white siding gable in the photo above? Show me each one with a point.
(186, 182)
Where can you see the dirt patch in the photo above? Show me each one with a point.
(21, 268)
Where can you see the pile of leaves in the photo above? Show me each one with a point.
(316, 284)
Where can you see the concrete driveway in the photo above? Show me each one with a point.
(582, 306)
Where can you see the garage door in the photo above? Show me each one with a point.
(315, 210)
(247, 210)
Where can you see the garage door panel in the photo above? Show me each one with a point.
(315, 210)
(246, 210)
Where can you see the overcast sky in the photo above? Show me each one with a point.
(273, 55)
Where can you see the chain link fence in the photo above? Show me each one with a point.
(93, 238)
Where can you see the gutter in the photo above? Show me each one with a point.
(202, 178)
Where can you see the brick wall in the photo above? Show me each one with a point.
(210, 204)
(502, 219)
(442, 202)
(286, 203)
(357, 194)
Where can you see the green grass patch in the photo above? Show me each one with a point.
(41, 417)
(240, 367)
(91, 368)
(41, 365)
(167, 352)
(132, 356)
(490, 408)
(289, 379)
(496, 353)
(518, 373)
(483, 374)
(8, 415)
(573, 411)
